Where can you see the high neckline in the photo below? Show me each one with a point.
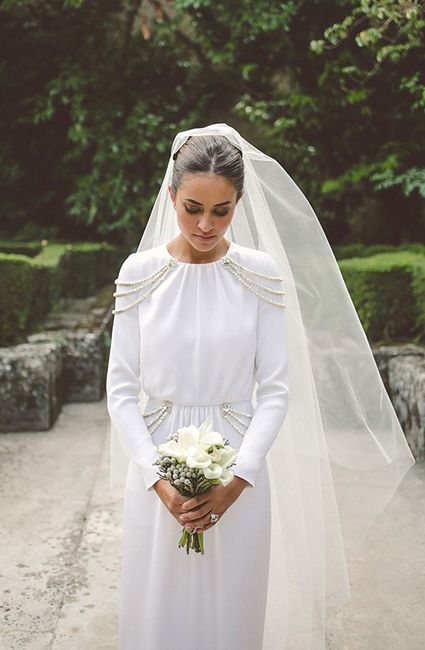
(196, 263)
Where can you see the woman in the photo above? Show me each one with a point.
(202, 322)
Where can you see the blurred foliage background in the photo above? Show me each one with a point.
(94, 92)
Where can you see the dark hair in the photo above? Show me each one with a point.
(212, 154)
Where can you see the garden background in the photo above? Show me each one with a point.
(93, 93)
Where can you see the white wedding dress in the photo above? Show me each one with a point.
(199, 336)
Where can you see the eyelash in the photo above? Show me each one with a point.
(222, 214)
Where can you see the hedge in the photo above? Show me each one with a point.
(88, 267)
(387, 288)
(15, 297)
(388, 292)
(20, 248)
(31, 286)
(47, 282)
(344, 251)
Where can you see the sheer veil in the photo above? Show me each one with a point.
(341, 453)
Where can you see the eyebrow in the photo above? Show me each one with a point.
(215, 206)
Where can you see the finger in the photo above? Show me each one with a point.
(199, 529)
(205, 522)
(190, 504)
(194, 515)
(196, 522)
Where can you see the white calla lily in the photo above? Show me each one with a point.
(171, 448)
(205, 426)
(199, 459)
(189, 437)
(215, 454)
(228, 455)
(212, 438)
(214, 471)
(226, 477)
(207, 437)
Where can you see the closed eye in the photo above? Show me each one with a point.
(219, 214)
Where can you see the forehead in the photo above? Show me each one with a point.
(204, 187)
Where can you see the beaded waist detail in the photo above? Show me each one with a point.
(156, 410)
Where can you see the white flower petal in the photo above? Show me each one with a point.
(171, 448)
(198, 459)
(212, 438)
(215, 455)
(226, 477)
(205, 426)
(213, 471)
(188, 436)
(228, 455)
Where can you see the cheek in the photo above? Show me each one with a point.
(227, 219)
(223, 223)
(185, 220)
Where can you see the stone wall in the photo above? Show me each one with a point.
(402, 368)
(67, 363)
(64, 363)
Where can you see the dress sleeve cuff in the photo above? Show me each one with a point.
(246, 474)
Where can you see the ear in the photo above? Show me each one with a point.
(172, 197)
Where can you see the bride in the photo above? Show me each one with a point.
(233, 308)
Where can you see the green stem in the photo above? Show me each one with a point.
(193, 541)
(201, 542)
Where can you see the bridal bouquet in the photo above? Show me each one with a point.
(193, 460)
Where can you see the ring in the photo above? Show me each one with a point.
(213, 517)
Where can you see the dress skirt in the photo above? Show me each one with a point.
(171, 600)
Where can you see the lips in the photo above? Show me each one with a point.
(205, 238)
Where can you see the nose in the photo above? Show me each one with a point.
(204, 226)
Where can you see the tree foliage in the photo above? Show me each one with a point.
(95, 93)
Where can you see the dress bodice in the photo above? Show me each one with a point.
(198, 322)
(198, 335)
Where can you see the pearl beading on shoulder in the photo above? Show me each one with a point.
(242, 273)
(137, 285)
(227, 411)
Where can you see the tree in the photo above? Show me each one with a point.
(86, 128)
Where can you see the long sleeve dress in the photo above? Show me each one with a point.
(199, 338)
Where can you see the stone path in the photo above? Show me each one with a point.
(61, 536)
(60, 541)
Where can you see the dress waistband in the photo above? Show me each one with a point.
(228, 410)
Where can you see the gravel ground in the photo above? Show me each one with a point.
(60, 549)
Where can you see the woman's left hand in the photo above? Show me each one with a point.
(196, 510)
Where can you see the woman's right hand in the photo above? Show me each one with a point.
(171, 498)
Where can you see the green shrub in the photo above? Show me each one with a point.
(59, 270)
(88, 267)
(345, 251)
(388, 292)
(31, 248)
(48, 273)
(15, 297)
